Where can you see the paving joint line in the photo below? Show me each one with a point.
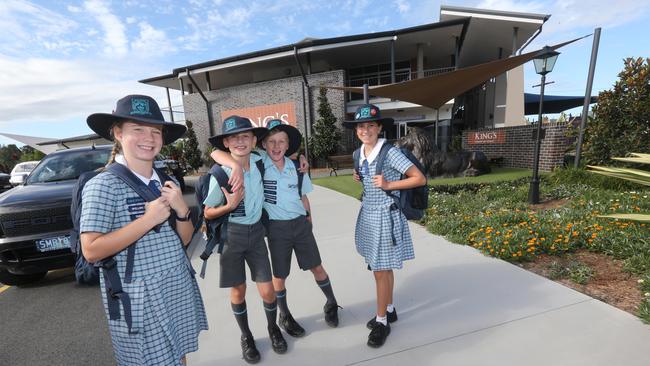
(472, 331)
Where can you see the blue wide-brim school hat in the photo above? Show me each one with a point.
(136, 108)
(295, 137)
(368, 113)
(234, 125)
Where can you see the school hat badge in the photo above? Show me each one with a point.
(295, 138)
(234, 125)
(368, 113)
(136, 108)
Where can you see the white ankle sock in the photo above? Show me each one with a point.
(381, 319)
(390, 308)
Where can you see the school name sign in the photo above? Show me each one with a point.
(261, 115)
(486, 137)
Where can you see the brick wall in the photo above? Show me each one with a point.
(518, 148)
(263, 93)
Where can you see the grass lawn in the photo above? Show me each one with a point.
(346, 185)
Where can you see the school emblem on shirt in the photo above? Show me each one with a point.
(139, 106)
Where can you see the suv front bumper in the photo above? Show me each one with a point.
(19, 255)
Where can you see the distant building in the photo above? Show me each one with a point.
(268, 84)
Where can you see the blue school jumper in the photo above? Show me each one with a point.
(382, 235)
(167, 309)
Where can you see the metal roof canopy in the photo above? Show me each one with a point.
(553, 103)
(489, 31)
(435, 91)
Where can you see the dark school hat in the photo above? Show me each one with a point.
(234, 125)
(136, 108)
(368, 113)
(295, 138)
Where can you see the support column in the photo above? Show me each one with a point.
(420, 65)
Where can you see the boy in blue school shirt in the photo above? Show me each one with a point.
(290, 225)
(245, 232)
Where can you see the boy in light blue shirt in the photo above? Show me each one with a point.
(245, 232)
(290, 225)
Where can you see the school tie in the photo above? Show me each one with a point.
(154, 185)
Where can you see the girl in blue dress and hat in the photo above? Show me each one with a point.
(382, 236)
(160, 312)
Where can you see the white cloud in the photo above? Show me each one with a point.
(25, 27)
(53, 90)
(402, 6)
(115, 40)
(151, 42)
(131, 20)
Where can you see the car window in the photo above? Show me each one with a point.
(24, 167)
(68, 166)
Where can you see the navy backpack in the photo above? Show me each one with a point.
(413, 201)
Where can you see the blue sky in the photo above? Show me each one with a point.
(63, 60)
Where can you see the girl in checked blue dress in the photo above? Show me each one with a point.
(157, 317)
(382, 235)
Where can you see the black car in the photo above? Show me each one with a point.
(4, 182)
(35, 217)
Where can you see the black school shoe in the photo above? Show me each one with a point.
(278, 343)
(248, 349)
(392, 318)
(378, 335)
(290, 325)
(331, 314)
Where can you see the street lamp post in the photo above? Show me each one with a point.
(544, 62)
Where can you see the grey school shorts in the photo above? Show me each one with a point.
(244, 243)
(287, 236)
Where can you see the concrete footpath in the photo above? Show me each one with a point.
(455, 306)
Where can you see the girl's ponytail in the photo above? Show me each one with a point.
(117, 148)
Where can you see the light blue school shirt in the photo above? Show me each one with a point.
(249, 210)
(281, 199)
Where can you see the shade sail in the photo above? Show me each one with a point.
(434, 91)
(552, 103)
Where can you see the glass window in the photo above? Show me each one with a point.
(68, 166)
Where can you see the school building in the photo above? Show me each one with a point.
(284, 82)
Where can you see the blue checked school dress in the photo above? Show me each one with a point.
(166, 305)
(382, 235)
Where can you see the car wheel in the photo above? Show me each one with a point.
(17, 280)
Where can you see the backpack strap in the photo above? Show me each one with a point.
(356, 156)
(301, 176)
(217, 228)
(381, 157)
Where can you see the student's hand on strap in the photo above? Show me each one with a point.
(304, 164)
(236, 180)
(233, 199)
(157, 211)
(379, 182)
(174, 196)
(356, 176)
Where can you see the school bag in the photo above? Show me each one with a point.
(413, 201)
(89, 272)
(217, 228)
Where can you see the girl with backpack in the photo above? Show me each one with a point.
(382, 236)
(152, 301)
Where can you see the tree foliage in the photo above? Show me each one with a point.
(28, 153)
(191, 150)
(9, 157)
(621, 119)
(326, 137)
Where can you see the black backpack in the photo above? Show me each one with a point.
(216, 229)
(88, 273)
(413, 201)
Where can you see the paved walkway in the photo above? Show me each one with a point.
(455, 306)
